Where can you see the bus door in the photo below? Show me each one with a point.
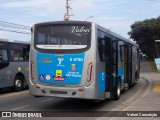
(126, 65)
(138, 64)
(3, 64)
(130, 65)
(108, 67)
(111, 63)
(114, 70)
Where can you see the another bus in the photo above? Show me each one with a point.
(79, 59)
(14, 68)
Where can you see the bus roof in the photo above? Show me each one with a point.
(87, 22)
(63, 22)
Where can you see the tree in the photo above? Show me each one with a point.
(145, 33)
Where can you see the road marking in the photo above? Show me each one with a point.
(20, 107)
(14, 94)
(46, 100)
(130, 104)
(156, 87)
(147, 90)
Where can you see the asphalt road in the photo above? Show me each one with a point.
(144, 96)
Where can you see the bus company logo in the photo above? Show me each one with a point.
(77, 29)
(46, 60)
(73, 67)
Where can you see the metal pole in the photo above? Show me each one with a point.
(67, 8)
(66, 15)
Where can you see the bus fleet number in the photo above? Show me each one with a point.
(76, 59)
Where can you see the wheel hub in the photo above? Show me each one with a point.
(18, 83)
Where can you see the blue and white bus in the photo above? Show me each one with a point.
(79, 59)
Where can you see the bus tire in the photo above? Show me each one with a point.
(18, 83)
(117, 90)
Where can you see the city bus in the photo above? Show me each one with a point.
(14, 67)
(79, 59)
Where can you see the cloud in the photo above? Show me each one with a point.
(107, 4)
(22, 4)
(3, 34)
(116, 15)
(155, 5)
(14, 36)
(81, 9)
(78, 8)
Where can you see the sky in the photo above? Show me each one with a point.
(116, 15)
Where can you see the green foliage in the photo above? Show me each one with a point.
(145, 33)
(153, 66)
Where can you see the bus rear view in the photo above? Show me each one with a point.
(61, 60)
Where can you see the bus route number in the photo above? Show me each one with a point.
(76, 59)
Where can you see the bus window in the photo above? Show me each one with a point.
(3, 56)
(53, 40)
(121, 53)
(64, 38)
(16, 52)
(41, 38)
(66, 42)
(26, 52)
(102, 46)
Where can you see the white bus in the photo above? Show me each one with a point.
(14, 68)
(79, 59)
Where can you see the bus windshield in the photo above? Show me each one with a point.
(63, 37)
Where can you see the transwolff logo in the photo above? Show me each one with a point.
(46, 60)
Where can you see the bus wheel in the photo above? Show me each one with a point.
(117, 91)
(18, 83)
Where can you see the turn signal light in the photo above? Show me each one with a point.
(89, 72)
(32, 70)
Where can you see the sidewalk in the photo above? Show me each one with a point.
(150, 100)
